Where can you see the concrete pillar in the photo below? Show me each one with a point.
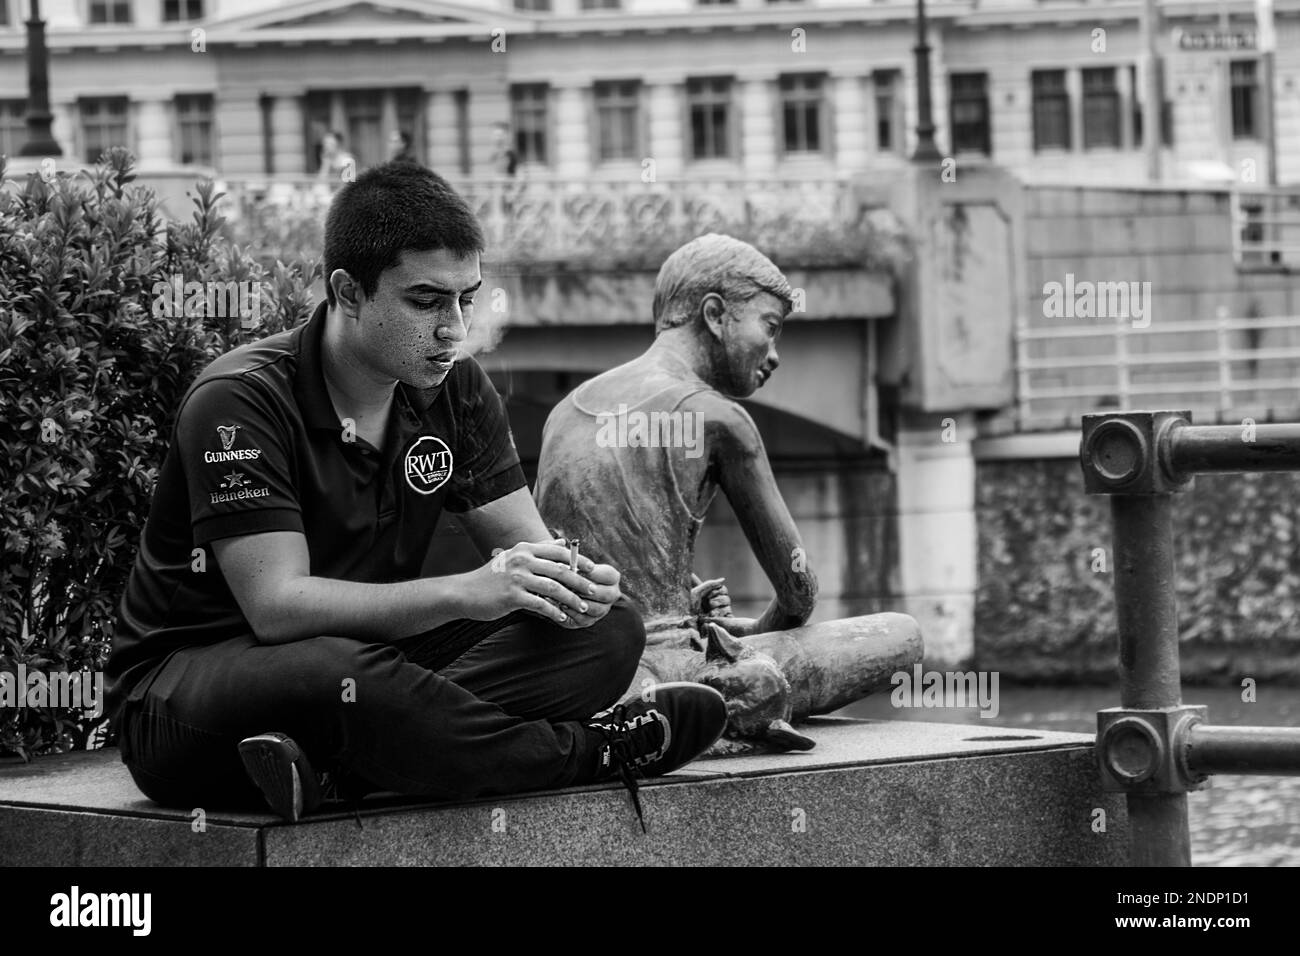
(288, 135)
(848, 111)
(489, 104)
(1074, 87)
(153, 133)
(937, 532)
(758, 135)
(441, 149)
(1127, 98)
(668, 146)
(572, 146)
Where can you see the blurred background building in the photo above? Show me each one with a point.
(926, 366)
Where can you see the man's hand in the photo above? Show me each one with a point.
(535, 577)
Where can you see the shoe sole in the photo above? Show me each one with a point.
(280, 770)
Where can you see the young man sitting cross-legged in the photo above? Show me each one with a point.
(276, 619)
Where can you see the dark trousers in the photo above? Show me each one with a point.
(468, 709)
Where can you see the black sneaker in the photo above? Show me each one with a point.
(666, 727)
(281, 771)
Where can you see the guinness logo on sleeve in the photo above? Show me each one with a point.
(228, 453)
(428, 465)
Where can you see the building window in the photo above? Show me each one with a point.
(365, 119)
(1100, 108)
(886, 85)
(194, 129)
(969, 109)
(174, 10)
(618, 118)
(13, 126)
(103, 124)
(533, 6)
(1051, 110)
(600, 4)
(1245, 99)
(110, 11)
(802, 113)
(529, 117)
(709, 102)
(4, 13)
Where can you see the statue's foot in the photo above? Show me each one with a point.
(781, 736)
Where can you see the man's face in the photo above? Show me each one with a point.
(413, 326)
(748, 344)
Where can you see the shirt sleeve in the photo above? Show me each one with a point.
(236, 454)
(487, 464)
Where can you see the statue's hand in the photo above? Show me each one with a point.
(738, 626)
(710, 598)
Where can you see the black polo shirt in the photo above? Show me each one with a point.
(258, 447)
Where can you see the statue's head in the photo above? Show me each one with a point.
(732, 300)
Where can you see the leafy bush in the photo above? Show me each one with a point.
(92, 370)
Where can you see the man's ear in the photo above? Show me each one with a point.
(714, 311)
(347, 292)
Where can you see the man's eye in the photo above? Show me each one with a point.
(467, 303)
(426, 303)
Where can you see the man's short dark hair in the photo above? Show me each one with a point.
(390, 208)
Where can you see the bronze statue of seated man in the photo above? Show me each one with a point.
(630, 462)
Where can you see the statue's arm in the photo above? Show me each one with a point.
(743, 472)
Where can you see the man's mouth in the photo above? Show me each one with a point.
(442, 362)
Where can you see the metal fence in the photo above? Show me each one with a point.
(1223, 369)
(1266, 228)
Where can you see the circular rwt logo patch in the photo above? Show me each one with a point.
(428, 465)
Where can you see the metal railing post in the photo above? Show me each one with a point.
(1149, 673)
(1153, 748)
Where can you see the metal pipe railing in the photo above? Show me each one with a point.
(1154, 748)
(1263, 750)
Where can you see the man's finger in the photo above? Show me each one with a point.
(553, 590)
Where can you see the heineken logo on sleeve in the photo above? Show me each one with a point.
(428, 465)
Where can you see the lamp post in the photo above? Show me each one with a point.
(926, 151)
(40, 139)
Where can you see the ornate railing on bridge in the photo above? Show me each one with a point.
(630, 224)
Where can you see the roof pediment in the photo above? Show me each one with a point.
(332, 14)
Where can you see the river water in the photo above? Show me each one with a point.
(1236, 821)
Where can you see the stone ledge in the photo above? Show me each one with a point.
(872, 793)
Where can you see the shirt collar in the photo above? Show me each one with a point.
(309, 385)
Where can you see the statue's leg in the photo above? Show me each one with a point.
(663, 665)
(835, 663)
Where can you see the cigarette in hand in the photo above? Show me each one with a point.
(573, 554)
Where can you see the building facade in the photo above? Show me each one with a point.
(1050, 89)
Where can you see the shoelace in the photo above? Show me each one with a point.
(627, 750)
(331, 790)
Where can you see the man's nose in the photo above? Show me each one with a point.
(772, 358)
(454, 328)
